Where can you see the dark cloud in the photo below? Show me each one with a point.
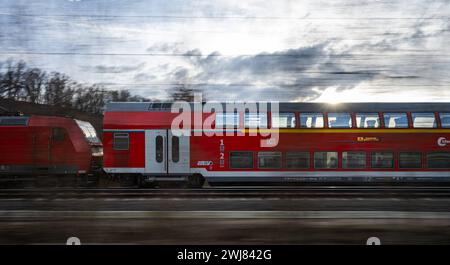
(180, 74)
(355, 42)
(286, 75)
(114, 69)
(164, 47)
(142, 77)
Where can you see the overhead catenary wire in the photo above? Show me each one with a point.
(221, 17)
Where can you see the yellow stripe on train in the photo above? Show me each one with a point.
(346, 130)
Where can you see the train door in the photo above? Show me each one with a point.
(156, 151)
(166, 153)
(178, 159)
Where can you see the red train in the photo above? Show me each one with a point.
(355, 142)
(42, 145)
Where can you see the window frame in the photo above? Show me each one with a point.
(324, 120)
(229, 160)
(435, 120)
(4, 120)
(354, 168)
(367, 113)
(258, 114)
(159, 151)
(295, 120)
(435, 168)
(408, 125)
(286, 155)
(325, 168)
(440, 120)
(62, 135)
(399, 160)
(266, 153)
(328, 120)
(115, 135)
(177, 149)
(383, 151)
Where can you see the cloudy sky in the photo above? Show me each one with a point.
(287, 50)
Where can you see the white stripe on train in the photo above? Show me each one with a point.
(306, 174)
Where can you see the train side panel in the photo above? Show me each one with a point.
(45, 145)
(302, 154)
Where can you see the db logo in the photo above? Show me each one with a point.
(442, 141)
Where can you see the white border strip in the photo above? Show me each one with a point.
(324, 174)
(298, 174)
(124, 169)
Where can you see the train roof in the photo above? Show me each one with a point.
(299, 107)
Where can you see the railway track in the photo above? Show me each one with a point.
(227, 192)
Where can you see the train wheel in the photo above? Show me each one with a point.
(196, 181)
(128, 180)
(142, 183)
(87, 181)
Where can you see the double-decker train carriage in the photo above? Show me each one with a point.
(354, 142)
(48, 146)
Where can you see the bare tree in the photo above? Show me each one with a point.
(182, 93)
(124, 96)
(120, 95)
(59, 90)
(90, 99)
(12, 82)
(34, 85)
(35, 80)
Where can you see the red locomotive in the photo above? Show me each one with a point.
(43, 145)
(355, 142)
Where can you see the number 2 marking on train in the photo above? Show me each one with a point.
(221, 153)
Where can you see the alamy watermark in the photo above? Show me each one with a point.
(229, 119)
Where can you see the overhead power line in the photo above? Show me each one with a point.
(221, 17)
(348, 56)
(266, 85)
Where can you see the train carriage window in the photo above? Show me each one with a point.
(423, 120)
(410, 160)
(311, 120)
(339, 120)
(395, 120)
(255, 120)
(325, 160)
(445, 120)
(121, 141)
(382, 160)
(159, 149)
(283, 120)
(297, 160)
(353, 159)
(88, 131)
(438, 160)
(367, 120)
(175, 149)
(269, 160)
(241, 160)
(226, 120)
(58, 134)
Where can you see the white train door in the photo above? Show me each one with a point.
(156, 151)
(166, 153)
(178, 155)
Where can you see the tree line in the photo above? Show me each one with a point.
(20, 82)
